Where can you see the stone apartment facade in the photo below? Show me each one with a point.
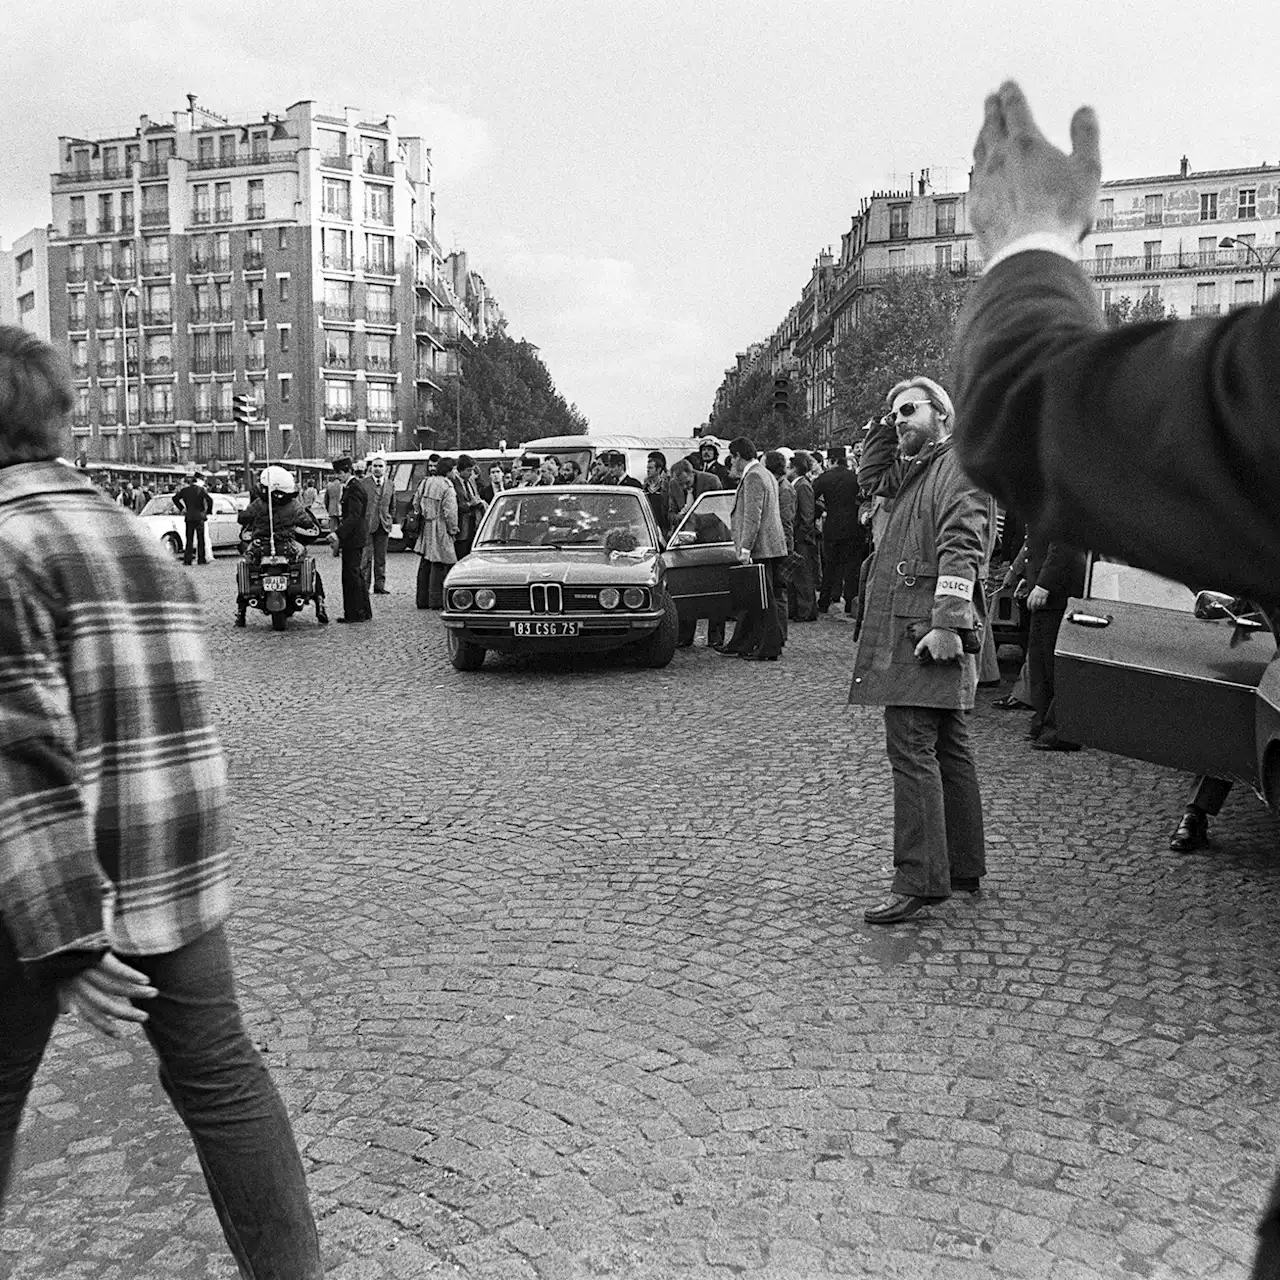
(292, 257)
(24, 283)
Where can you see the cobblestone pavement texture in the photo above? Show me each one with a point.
(561, 969)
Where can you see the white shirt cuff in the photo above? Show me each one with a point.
(1046, 241)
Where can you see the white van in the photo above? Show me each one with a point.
(585, 449)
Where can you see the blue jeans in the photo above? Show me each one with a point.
(937, 807)
(217, 1084)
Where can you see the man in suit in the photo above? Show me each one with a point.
(196, 505)
(838, 497)
(758, 537)
(382, 501)
(351, 537)
(470, 504)
(1062, 420)
(802, 606)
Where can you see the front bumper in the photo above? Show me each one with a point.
(596, 631)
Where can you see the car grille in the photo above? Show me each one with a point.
(551, 597)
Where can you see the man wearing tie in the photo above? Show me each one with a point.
(382, 501)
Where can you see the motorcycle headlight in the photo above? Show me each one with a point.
(461, 599)
(633, 598)
(609, 598)
(485, 599)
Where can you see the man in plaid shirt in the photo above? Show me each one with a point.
(114, 872)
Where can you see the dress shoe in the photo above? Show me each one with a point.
(1050, 742)
(1192, 832)
(899, 906)
(240, 620)
(966, 884)
(381, 591)
(760, 657)
(1010, 703)
(1033, 733)
(725, 651)
(350, 619)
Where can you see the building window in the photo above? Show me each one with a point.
(899, 221)
(377, 353)
(380, 254)
(286, 384)
(1207, 252)
(132, 154)
(76, 223)
(1151, 255)
(1208, 206)
(332, 144)
(1102, 256)
(160, 402)
(78, 348)
(202, 352)
(222, 202)
(1153, 210)
(944, 218)
(379, 305)
(337, 348)
(282, 237)
(284, 337)
(256, 356)
(257, 199)
(204, 151)
(222, 404)
(106, 215)
(335, 198)
(224, 360)
(1106, 215)
(222, 251)
(381, 400)
(258, 147)
(335, 244)
(1247, 203)
(897, 259)
(201, 304)
(377, 204)
(200, 253)
(942, 257)
(158, 304)
(282, 283)
(159, 357)
(338, 401)
(110, 162)
(1206, 303)
(155, 256)
(1243, 294)
(106, 258)
(255, 305)
(200, 204)
(337, 300)
(227, 148)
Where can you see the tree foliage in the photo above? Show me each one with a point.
(907, 329)
(505, 393)
(1149, 307)
(750, 410)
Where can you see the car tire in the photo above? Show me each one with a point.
(174, 543)
(659, 647)
(279, 621)
(464, 655)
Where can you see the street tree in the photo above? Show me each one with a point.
(753, 409)
(1150, 307)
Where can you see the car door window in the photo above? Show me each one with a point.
(709, 518)
(1114, 580)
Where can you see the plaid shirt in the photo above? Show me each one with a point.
(112, 779)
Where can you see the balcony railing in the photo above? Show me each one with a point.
(1164, 263)
(108, 369)
(253, 260)
(254, 312)
(155, 217)
(380, 166)
(899, 233)
(203, 414)
(425, 324)
(126, 224)
(380, 364)
(1104, 224)
(341, 212)
(379, 315)
(1153, 219)
(337, 311)
(77, 227)
(106, 226)
(159, 415)
(76, 275)
(336, 261)
(80, 418)
(79, 371)
(334, 413)
(232, 162)
(254, 362)
(157, 316)
(108, 417)
(202, 364)
(201, 217)
(199, 267)
(77, 320)
(157, 366)
(155, 266)
(335, 161)
(382, 415)
(256, 212)
(1206, 308)
(222, 213)
(379, 267)
(335, 360)
(155, 168)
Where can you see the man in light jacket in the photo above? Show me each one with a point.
(923, 590)
(758, 537)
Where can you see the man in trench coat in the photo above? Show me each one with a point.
(923, 590)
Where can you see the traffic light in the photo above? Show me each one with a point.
(243, 410)
(781, 394)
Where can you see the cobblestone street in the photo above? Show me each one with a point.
(561, 969)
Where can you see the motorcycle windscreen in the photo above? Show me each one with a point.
(1160, 684)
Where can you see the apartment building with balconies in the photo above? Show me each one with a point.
(24, 283)
(290, 256)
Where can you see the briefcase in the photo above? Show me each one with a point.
(747, 590)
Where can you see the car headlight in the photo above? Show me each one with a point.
(633, 598)
(461, 599)
(485, 598)
(609, 598)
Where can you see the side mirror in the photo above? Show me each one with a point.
(683, 538)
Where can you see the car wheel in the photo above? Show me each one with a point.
(659, 647)
(1271, 778)
(279, 621)
(174, 543)
(464, 655)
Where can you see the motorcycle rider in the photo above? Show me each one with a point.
(277, 510)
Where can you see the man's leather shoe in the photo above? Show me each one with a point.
(1010, 703)
(966, 884)
(1192, 832)
(726, 652)
(381, 591)
(1047, 742)
(760, 657)
(900, 906)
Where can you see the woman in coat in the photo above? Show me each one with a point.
(437, 502)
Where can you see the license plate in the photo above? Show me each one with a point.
(545, 628)
(275, 584)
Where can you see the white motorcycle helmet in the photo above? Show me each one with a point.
(279, 482)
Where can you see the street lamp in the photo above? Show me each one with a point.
(121, 294)
(1265, 263)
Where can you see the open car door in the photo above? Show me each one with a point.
(699, 556)
(1137, 672)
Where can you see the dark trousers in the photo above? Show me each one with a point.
(802, 605)
(355, 595)
(937, 806)
(218, 1085)
(760, 630)
(197, 542)
(1208, 794)
(843, 559)
(430, 586)
(1042, 637)
(462, 546)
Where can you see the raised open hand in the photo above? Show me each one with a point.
(1022, 184)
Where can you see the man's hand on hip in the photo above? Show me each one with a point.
(1022, 184)
(102, 995)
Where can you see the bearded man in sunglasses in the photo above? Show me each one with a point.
(923, 595)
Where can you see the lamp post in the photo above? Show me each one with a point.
(122, 292)
(1227, 242)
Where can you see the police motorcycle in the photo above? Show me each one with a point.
(276, 575)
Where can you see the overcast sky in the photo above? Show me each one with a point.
(645, 183)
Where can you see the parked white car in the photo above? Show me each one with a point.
(222, 529)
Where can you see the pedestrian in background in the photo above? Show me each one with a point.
(470, 504)
(437, 503)
(776, 465)
(350, 538)
(837, 495)
(1054, 573)
(923, 591)
(802, 605)
(657, 488)
(333, 494)
(382, 505)
(711, 463)
(365, 475)
(114, 870)
(196, 505)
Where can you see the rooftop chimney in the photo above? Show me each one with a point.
(191, 103)
(1185, 166)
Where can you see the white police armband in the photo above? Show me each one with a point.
(949, 586)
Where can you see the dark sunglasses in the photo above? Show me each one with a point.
(906, 410)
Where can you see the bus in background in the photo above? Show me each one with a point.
(585, 449)
(408, 469)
